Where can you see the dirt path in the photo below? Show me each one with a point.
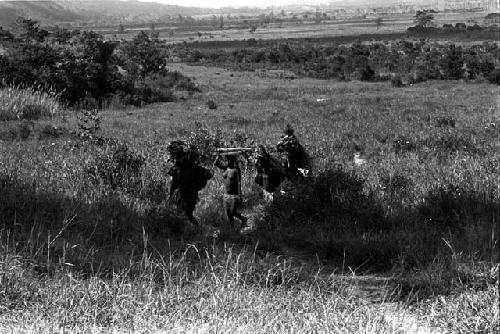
(380, 292)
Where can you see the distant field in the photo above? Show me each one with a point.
(307, 29)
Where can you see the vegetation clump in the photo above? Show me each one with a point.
(83, 66)
(416, 60)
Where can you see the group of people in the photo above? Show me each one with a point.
(189, 176)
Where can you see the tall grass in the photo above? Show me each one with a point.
(27, 103)
(194, 289)
(90, 254)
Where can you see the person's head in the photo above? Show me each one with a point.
(232, 161)
(358, 148)
(288, 130)
(176, 150)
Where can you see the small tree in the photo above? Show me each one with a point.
(144, 55)
(30, 30)
(378, 22)
(424, 18)
(317, 17)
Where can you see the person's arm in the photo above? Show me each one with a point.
(240, 194)
(175, 182)
(219, 164)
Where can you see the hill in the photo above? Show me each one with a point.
(78, 11)
(47, 12)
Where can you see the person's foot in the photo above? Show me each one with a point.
(245, 228)
(244, 222)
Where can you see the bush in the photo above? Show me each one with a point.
(396, 81)
(452, 63)
(85, 66)
(452, 208)
(144, 55)
(50, 131)
(211, 105)
(334, 199)
(117, 167)
(25, 130)
(494, 76)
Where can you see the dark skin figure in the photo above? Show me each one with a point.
(232, 181)
(182, 194)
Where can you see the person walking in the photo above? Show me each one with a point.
(188, 178)
(233, 198)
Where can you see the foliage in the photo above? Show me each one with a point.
(396, 81)
(452, 208)
(424, 18)
(416, 61)
(30, 30)
(144, 55)
(116, 166)
(89, 123)
(83, 66)
(494, 76)
(211, 105)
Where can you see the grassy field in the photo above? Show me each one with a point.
(391, 25)
(406, 243)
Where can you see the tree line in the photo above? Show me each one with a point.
(84, 67)
(413, 60)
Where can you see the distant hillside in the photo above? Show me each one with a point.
(130, 8)
(92, 11)
(47, 12)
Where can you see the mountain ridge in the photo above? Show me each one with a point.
(51, 12)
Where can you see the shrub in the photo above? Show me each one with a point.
(25, 130)
(144, 55)
(451, 208)
(89, 123)
(396, 81)
(85, 66)
(50, 131)
(494, 76)
(116, 166)
(204, 143)
(333, 199)
(367, 73)
(170, 80)
(452, 63)
(211, 105)
(146, 94)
